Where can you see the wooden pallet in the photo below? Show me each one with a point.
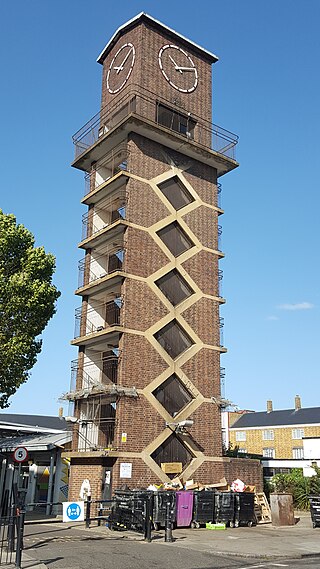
(262, 510)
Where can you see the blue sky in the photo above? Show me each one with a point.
(266, 89)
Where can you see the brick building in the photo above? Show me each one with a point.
(148, 329)
(275, 434)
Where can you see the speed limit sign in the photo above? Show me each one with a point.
(20, 454)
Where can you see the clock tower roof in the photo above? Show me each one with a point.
(145, 18)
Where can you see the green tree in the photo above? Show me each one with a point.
(27, 302)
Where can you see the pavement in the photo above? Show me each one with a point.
(263, 541)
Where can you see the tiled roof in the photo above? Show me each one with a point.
(306, 416)
(33, 421)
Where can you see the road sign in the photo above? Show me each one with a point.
(20, 454)
(73, 512)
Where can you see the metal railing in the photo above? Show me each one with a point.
(109, 313)
(219, 237)
(221, 325)
(93, 222)
(112, 262)
(144, 104)
(115, 162)
(220, 281)
(107, 369)
(219, 195)
(223, 382)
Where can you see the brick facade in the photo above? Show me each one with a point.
(186, 354)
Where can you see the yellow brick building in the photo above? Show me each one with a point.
(274, 434)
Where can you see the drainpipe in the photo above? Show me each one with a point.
(50, 485)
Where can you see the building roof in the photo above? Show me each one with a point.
(34, 423)
(35, 442)
(284, 417)
(143, 17)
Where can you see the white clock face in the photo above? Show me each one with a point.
(120, 68)
(178, 68)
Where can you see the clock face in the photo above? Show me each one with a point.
(120, 68)
(178, 68)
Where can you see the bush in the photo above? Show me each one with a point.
(301, 487)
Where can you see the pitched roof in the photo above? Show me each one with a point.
(44, 423)
(143, 17)
(35, 442)
(306, 416)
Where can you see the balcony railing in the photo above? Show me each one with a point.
(145, 105)
(223, 382)
(115, 162)
(109, 263)
(219, 195)
(107, 371)
(220, 280)
(97, 219)
(219, 237)
(221, 325)
(96, 319)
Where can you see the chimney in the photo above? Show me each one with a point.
(297, 402)
(269, 406)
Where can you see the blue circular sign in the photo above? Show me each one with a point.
(73, 511)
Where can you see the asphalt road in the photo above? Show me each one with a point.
(69, 548)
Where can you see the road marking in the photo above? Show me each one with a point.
(278, 565)
(253, 566)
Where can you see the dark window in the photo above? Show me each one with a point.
(112, 313)
(173, 395)
(175, 192)
(172, 450)
(173, 339)
(175, 239)
(174, 287)
(175, 120)
(109, 367)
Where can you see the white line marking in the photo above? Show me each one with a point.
(278, 565)
(252, 566)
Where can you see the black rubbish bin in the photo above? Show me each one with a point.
(129, 510)
(315, 510)
(122, 510)
(244, 509)
(160, 501)
(203, 507)
(224, 508)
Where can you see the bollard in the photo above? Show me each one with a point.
(168, 524)
(148, 519)
(88, 512)
(20, 537)
(11, 526)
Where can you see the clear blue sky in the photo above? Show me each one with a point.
(266, 89)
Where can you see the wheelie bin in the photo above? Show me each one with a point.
(203, 507)
(160, 501)
(224, 508)
(244, 509)
(315, 510)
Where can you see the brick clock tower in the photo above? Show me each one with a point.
(145, 388)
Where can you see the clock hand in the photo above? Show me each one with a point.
(122, 64)
(174, 63)
(185, 69)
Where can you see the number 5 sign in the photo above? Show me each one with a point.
(20, 454)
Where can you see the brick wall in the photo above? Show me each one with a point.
(203, 370)
(139, 362)
(283, 443)
(151, 309)
(206, 280)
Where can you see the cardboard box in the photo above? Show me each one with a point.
(171, 467)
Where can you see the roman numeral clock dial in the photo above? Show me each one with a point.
(120, 68)
(178, 68)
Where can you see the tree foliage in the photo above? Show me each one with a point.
(27, 302)
(301, 487)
